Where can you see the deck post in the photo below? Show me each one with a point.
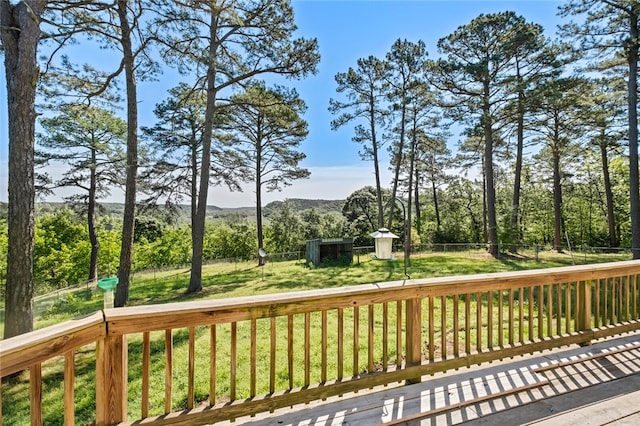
(111, 380)
(414, 336)
(583, 314)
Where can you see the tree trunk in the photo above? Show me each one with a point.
(376, 165)
(20, 34)
(91, 220)
(259, 202)
(398, 159)
(492, 227)
(485, 230)
(416, 196)
(634, 186)
(557, 202)
(407, 225)
(434, 190)
(611, 219)
(515, 204)
(197, 230)
(128, 222)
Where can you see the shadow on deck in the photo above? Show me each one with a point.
(592, 385)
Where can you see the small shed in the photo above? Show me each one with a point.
(384, 243)
(330, 249)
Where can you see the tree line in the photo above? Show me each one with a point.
(498, 78)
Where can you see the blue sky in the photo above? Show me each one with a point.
(346, 31)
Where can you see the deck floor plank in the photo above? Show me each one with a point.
(571, 386)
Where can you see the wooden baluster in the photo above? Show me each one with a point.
(456, 325)
(443, 326)
(432, 328)
(490, 318)
(69, 391)
(500, 318)
(627, 315)
(478, 322)
(168, 370)
(511, 316)
(521, 314)
(212, 364)
(567, 314)
(549, 310)
(340, 343)
(605, 302)
(146, 353)
(323, 372)
(634, 286)
(596, 304)
(272, 357)
(307, 348)
(233, 358)
(253, 359)
(541, 308)
(558, 309)
(531, 301)
(290, 349)
(370, 366)
(614, 301)
(192, 368)
(35, 384)
(356, 339)
(467, 323)
(385, 336)
(620, 315)
(399, 334)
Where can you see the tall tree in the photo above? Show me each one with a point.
(612, 27)
(423, 123)
(120, 26)
(226, 43)
(477, 66)
(406, 64)
(268, 128)
(365, 90)
(534, 58)
(604, 116)
(89, 140)
(558, 109)
(20, 35)
(175, 141)
(433, 160)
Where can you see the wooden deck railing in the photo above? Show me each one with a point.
(206, 361)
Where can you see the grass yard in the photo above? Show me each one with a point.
(243, 279)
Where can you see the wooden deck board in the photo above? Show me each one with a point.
(520, 385)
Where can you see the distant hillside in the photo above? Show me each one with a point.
(299, 205)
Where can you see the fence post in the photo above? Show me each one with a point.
(111, 380)
(583, 317)
(414, 335)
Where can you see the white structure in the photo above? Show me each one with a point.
(384, 242)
